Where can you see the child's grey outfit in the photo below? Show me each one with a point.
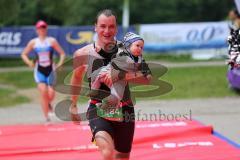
(123, 62)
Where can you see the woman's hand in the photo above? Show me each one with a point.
(31, 64)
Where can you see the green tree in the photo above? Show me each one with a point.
(9, 13)
(82, 12)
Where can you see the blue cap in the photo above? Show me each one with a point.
(129, 38)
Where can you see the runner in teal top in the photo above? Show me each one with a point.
(43, 46)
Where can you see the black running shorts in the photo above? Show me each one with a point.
(121, 132)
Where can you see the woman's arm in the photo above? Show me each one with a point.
(60, 51)
(25, 53)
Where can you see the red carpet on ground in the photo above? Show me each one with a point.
(156, 140)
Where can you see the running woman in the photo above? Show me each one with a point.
(43, 46)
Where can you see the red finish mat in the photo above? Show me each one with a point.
(156, 140)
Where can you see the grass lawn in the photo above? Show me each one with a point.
(9, 98)
(21, 80)
(202, 82)
(168, 57)
(173, 57)
(193, 82)
(18, 80)
(11, 62)
(187, 83)
(16, 62)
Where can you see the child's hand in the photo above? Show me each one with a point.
(106, 78)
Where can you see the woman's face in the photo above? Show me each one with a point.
(136, 48)
(106, 28)
(42, 31)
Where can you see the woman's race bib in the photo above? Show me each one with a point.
(44, 59)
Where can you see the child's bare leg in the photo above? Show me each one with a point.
(117, 91)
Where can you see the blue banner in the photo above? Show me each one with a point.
(14, 39)
(157, 37)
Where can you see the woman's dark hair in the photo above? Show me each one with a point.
(106, 12)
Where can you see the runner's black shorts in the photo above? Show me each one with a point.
(121, 132)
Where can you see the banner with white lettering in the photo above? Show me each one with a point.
(14, 39)
(183, 36)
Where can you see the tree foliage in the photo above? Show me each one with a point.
(82, 12)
